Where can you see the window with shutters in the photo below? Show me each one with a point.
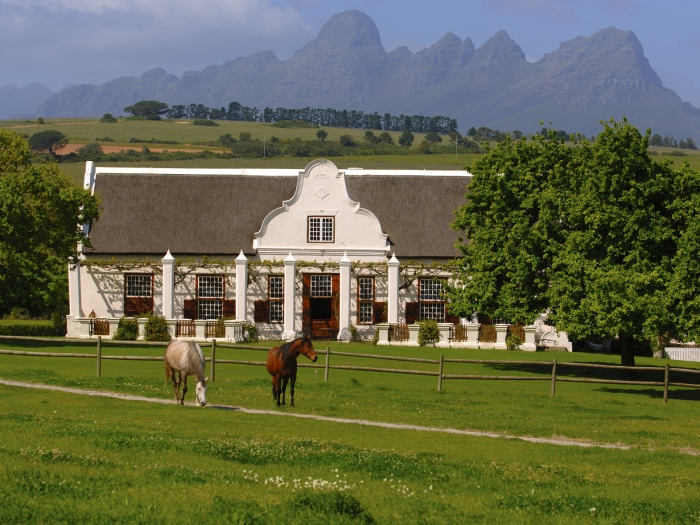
(431, 300)
(365, 300)
(321, 229)
(275, 295)
(210, 296)
(138, 294)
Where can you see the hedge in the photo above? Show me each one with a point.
(30, 328)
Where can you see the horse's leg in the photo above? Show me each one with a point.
(292, 380)
(176, 386)
(275, 388)
(284, 389)
(184, 390)
(278, 389)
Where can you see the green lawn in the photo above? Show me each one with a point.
(75, 459)
(632, 415)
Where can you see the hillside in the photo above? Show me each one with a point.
(346, 67)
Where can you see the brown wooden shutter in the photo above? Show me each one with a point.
(229, 309)
(138, 305)
(306, 304)
(412, 313)
(261, 312)
(190, 309)
(380, 314)
(453, 319)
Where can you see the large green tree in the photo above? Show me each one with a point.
(585, 233)
(40, 209)
(49, 141)
(149, 109)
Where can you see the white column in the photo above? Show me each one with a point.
(74, 292)
(344, 321)
(168, 285)
(290, 267)
(241, 287)
(393, 289)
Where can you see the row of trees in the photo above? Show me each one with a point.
(598, 235)
(329, 117)
(671, 142)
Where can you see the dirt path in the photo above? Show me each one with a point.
(72, 148)
(364, 422)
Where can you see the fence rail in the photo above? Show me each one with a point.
(439, 373)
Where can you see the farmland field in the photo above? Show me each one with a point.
(190, 138)
(73, 458)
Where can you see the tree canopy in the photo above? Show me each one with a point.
(596, 234)
(149, 109)
(49, 141)
(40, 209)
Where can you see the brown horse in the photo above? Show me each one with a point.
(282, 365)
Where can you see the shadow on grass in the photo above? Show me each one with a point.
(674, 393)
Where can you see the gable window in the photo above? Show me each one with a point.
(321, 229)
(138, 292)
(210, 296)
(275, 294)
(432, 303)
(365, 300)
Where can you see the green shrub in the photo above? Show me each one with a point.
(127, 330)
(354, 334)
(156, 329)
(251, 331)
(347, 140)
(108, 118)
(25, 328)
(513, 342)
(375, 338)
(428, 332)
(204, 122)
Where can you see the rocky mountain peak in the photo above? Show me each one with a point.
(349, 30)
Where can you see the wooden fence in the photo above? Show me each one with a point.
(552, 377)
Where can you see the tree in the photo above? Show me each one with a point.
(371, 137)
(347, 141)
(40, 210)
(433, 137)
(690, 143)
(406, 139)
(585, 233)
(49, 141)
(472, 132)
(108, 118)
(244, 136)
(321, 134)
(386, 138)
(148, 109)
(517, 134)
(656, 140)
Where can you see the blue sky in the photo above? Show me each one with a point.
(57, 42)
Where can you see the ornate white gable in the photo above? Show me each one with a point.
(321, 192)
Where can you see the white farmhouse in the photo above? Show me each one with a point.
(322, 250)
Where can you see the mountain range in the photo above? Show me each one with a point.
(346, 67)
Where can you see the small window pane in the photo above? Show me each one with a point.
(321, 229)
(321, 286)
(209, 309)
(431, 290)
(139, 285)
(276, 288)
(433, 311)
(365, 313)
(276, 311)
(366, 286)
(210, 286)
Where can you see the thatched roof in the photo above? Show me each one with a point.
(203, 214)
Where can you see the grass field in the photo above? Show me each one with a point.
(81, 132)
(73, 459)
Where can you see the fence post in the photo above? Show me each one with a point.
(99, 356)
(328, 358)
(440, 374)
(554, 376)
(666, 385)
(213, 360)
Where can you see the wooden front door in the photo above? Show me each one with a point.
(320, 305)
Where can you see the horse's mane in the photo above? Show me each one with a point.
(283, 351)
